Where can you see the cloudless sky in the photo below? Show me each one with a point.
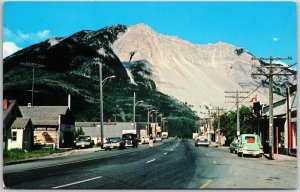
(263, 28)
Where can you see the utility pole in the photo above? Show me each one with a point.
(218, 109)
(209, 127)
(270, 77)
(236, 97)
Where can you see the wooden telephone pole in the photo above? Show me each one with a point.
(237, 96)
(218, 109)
(270, 77)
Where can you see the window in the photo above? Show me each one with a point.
(14, 136)
(250, 139)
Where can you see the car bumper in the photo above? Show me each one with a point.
(82, 145)
(202, 144)
(250, 152)
(111, 146)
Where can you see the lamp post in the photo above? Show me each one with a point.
(102, 82)
(209, 124)
(163, 124)
(134, 104)
(148, 125)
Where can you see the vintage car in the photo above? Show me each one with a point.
(249, 144)
(201, 142)
(114, 143)
(157, 138)
(234, 146)
(84, 141)
(130, 140)
(145, 140)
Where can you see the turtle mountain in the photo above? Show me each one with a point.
(164, 71)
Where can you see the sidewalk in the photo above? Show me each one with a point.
(281, 157)
(265, 155)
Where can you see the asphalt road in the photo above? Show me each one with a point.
(171, 164)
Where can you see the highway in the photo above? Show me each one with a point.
(171, 164)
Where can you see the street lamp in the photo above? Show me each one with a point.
(209, 123)
(102, 82)
(148, 120)
(134, 104)
(105, 79)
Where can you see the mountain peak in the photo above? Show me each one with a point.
(142, 28)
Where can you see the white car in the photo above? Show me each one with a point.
(201, 142)
(145, 140)
(114, 143)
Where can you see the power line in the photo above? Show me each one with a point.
(270, 77)
(261, 85)
(237, 96)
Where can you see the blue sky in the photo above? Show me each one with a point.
(265, 29)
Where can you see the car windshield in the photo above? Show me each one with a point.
(84, 138)
(129, 136)
(113, 139)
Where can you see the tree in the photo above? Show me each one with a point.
(228, 123)
(79, 132)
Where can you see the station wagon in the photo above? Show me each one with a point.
(249, 144)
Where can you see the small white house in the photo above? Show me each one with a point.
(21, 134)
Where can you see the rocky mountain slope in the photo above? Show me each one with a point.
(70, 65)
(197, 74)
(164, 71)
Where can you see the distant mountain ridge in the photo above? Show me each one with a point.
(196, 74)
(142, 60)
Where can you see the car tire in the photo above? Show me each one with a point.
(231, 151)
(240, 154)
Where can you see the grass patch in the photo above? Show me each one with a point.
(15, 155)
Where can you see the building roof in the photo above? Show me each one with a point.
(43, 115)
(11, 105)
(20, 122)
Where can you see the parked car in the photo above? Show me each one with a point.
(145, 140)
(114, 143)
(84, 141)
(249, 144)
(164, 135)
(201, 142)
(130, 140)
(234, 146)
(157, 138)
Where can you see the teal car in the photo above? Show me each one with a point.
(234, 146)
(249, 144)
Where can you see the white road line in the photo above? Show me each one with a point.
(76, 182)
(151, 161)
(165, 153)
